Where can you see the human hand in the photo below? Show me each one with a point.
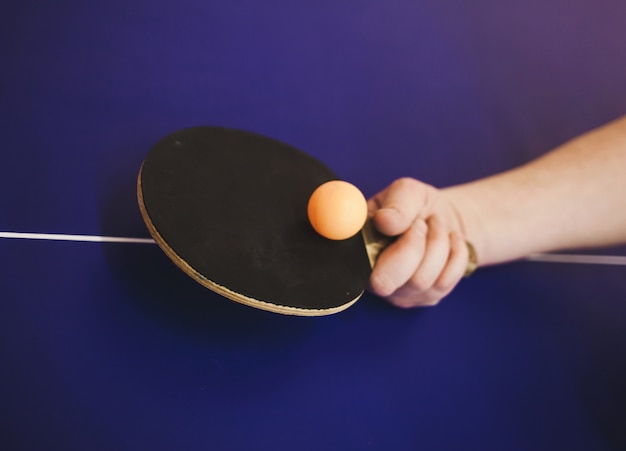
(429, 255)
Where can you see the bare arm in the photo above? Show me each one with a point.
(573, 197)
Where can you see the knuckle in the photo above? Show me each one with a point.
(414, 186)
(381, 285)
(406, 183)
(445, 283)
(440, 285)
(420, 281)
(415, 301)
(431, 302)
(403, 303)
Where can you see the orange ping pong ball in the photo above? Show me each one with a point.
(337, 210)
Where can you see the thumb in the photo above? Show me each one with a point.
(394, 209)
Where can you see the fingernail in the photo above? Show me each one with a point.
(388, 213)
(388, 210)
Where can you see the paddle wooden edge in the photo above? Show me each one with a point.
(220, 289)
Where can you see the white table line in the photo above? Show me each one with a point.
(579, 258)
(543, 257)
(82, 238)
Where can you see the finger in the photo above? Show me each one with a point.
(456, 266)
(398, 262)
(395, 209)
(420, 288)
(449, 278)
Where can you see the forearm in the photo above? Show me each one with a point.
(573, 197)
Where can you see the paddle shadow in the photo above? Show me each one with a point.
(163, 291)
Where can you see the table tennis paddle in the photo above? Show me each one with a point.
(229, 207)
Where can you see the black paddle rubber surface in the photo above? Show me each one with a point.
(230, 208)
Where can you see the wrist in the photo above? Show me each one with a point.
(470, 222)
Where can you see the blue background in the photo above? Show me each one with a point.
(109, 346)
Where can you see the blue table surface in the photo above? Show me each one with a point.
(111, 347)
